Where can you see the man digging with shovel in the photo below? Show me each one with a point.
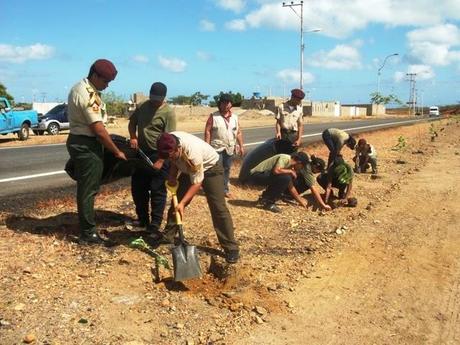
(199, 166)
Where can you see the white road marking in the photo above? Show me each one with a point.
(11, 179)
(248, 144)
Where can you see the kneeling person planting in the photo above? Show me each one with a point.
(199, 166)
(278, 173)
(340, 176)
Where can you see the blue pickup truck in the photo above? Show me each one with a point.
(18, 122)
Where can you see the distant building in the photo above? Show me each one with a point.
(371, 109)
(322, 108)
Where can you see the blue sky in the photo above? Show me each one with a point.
(234, 45)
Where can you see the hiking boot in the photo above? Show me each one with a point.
(272, 208)
(261, 201)
(154, 236)
(232, 256)
(136, 225)
(94, 239)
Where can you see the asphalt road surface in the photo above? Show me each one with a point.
(27, 169)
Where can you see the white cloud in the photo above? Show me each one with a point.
(399, 76)
(205, 56)
(423, 72)
(342, 18)
(433, 45)
(206, 25)
(172, 64)
(236, 25)
(292, 76)
(140, 58)
(344, 57)
(232, 5)
(19, 54)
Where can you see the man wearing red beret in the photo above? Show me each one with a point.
(289, 119)
(86, 142)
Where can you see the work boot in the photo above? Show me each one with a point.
(136, 225)
(153, 233)
(93, 238)
(232, 256)
(270, 206)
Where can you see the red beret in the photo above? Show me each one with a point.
(165, 144)
(297, 93)
(105, 69)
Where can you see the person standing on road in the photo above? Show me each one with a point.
(200, 167)
(335, 139)
(86, 142)
(223, 132)
(289, 119)
(146, 124)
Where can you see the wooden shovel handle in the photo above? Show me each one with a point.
(175, 202)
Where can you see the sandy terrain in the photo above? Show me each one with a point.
(385, 272)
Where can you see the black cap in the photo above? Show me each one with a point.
(301, 157)
(158, 91)
(225, 97)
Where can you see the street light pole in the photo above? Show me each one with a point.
(378, 71)
(302, 45)
(291, 6)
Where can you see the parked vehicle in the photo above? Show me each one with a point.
(53, 121)
(17, 122)
(434, 112)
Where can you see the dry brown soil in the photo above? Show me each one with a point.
(385, 272)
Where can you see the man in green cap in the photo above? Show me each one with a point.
(86, 143)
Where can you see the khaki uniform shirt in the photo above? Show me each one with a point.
(84, 108)
(289, 116)
(197, 156)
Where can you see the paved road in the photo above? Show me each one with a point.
(34, 168)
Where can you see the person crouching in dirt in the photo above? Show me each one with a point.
(339, 175)
(365, 155)
(199, 167)
(278, 173)
(306, 180)
(335, 139)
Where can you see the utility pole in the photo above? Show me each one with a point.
(412, 96)
(291, 6)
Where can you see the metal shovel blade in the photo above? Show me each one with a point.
(185, 262)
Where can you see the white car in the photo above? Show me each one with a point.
(434, 112)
